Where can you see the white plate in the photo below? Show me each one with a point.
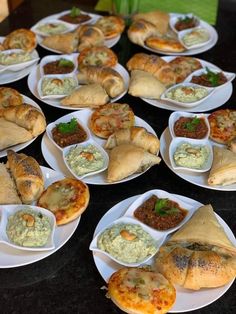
(217, 99)
(109, 42)
(211, 43)
(199, 179)
(9, 76)
(34, 77)
(54, 157)
(186, 300)
(10, 257)
(18, 147)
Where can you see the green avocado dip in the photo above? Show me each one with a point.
(28, 228)
(128, 243)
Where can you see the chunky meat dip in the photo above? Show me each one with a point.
(62, 66)
(160, 213)
(191, 127)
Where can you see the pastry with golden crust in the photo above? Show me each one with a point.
(10, 97)
(89, 36)
(97, 56)
(65, 43)
(111, 25)
(165, 44)
(21, 38)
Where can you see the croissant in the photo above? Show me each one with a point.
(89, 36)
(127, 159)
(140, 30)
(25, 116)
(153, 65)
(27, 175)
(110, 79)
(65, 43)
(136, 135)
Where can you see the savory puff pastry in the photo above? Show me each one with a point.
(9, 97)
(21, 39)
(65, 43)
(8, 192)
(89, 36)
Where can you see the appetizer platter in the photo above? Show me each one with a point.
(186, 299)
(12, 257)
(64, 25)
(171, 34)
(101, 96)
(179, 82)
(12, 70)
(116, 143)
(213, 169)
(20, 136)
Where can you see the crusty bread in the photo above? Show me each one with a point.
(27, 175)
(8, 192)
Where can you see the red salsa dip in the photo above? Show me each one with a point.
(191, 127)
(160, 213)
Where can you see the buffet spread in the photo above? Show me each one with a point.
(151, 249)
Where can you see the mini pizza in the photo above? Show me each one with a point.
(97, 56)
(183, 66)
(111, 117)
(222, 125)
(21, 38)
(164, 43)
(67, 199)
(111, 26)
(139, 290)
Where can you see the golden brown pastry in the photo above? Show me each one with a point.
(140, 30)
(98, 56)
(164, 43)
(127, 159)
(136, 135)
(65, 43)
(110, 79)
(8, 192)
(158, 18)
(144, 84)
(223, 169)
(154, 65)
(21, 38)
(27, 175)
(12, 134)
(199, 254)
(92, 95)
(138, 290)
(89, 36)
(9, 97)
(111, 25)
(26, 116)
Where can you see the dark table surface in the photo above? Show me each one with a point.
(68, 281)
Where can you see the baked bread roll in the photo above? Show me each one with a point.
(139, 290)
(140, 30)
(127, 159)
(110, 79)
(12, 134)
(27, 175)
(144, 84)
(89, 36)
(158, 18)
(111, 25)
(198, 255)
(8, 192)
(27, 117)
(164, 43)
(154, 65)
(21, 38)
(223, 169)
(92, 96)
(9, 97)
(98, 56)
(65, 43)
(136, 135)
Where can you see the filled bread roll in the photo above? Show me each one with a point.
(25, 116)
(223, 170)
(138, 136)
(27, 175)
(167, 44)
(110, 79)
(198, 255)
(144, 84)
(10, 97)
(65, 43)
(89, 36)
(92, 95)
(21, 38)
(8, 192)
(127, 159)
(140, 30)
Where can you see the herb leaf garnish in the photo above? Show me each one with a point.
(74, 12)
(190, 126)
(162, 208)
(65, 63)
(67, 127)
(212, 77)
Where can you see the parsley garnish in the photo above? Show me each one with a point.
(65, 63)
(190, 126)
(212, 77)
(162, 207)
(185, 19)
(74, 12)
(67, 127)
